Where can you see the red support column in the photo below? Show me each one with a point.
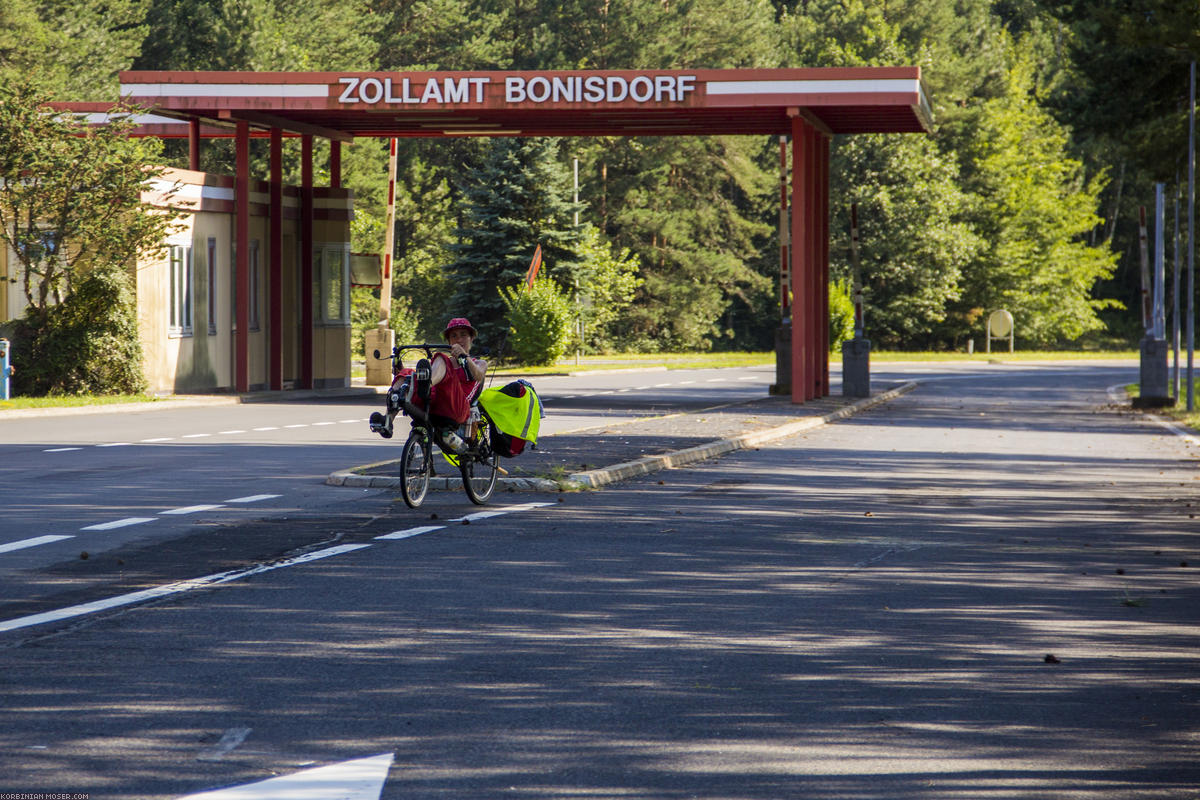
(275, 283)
(823, 173)
(306, 262)
(194, 144)
(785, 278)
(242, 214)
(799, 259)
(335, 163)
(816, 316)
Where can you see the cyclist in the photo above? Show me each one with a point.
(454, 379)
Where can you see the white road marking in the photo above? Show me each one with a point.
(170, 589)
(662, 385)
(351, 421)
(230, 740)
(254, 498)
(34, 542)
(622, 391)
(411, 532)
(497, 512)
(159, 439)
(120, 523)
(685, 383)
(315, 424)
(299, 425)
(228, 433)
(360, 779)
(268, 428)
(114, 444)
(61, 449)
(748, 378)
(716, 380)
(196, 435)
(191, 509)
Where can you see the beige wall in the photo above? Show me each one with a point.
(202, 359)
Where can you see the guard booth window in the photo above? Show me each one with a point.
(331, 290)
(180, 323)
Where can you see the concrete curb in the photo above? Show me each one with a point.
(595, 478)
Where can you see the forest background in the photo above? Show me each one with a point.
(1053, 120)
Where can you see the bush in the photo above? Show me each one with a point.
(841, 314)
(88, 344)
(539, 323)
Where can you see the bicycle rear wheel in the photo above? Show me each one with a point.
(479, 475)
(415, 468)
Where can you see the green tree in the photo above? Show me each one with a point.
(516, 199)
(71, 215)
(608, 280)
(539, 319)
(1034, 211)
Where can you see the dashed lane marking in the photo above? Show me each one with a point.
(34, 542)
(61, 449)
(191, 509)
(410, 532)
(169, 589)
(118, 523)
(253, 498)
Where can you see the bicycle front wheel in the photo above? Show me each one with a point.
(479, 476)
(415, 468)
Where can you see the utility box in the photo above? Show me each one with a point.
(379, 370)
(856, 367)
(1154, 375)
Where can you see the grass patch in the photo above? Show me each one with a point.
(1020, 355)
(75, 401)
(1179, 411)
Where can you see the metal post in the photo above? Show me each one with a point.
(1191, 241)
(1175, 326)
(1160, 305)
(1144, 258)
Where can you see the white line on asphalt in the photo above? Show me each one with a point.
(159, 439)
(114, 444)
(685, 383)
(196, 435)
(228, 433)
(254, 498)
(34, 542)
(405, 534)
(61, 449)
(749, 378)
(169, 589)
(496, 512)
(268, 428)
(324, 423)
(569, 397)
(351, 421)
(716, 380)
(298, 425)
(360, 779)
(622, 391)
(662, 385)
(119, 523)
(191, 509)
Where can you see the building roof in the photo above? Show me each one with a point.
(347, 105)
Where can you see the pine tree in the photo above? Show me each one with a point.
(517, 198)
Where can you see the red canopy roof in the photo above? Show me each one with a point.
(345, 105)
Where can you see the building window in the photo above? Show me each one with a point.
(331, 276)
(255, 276)
(181, 291)
(212, 286)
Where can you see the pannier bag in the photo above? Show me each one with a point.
(516, 413)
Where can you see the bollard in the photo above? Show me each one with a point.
(856, 368)
(5, 368)
(1153, 375)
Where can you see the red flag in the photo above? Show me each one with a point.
(534, 266)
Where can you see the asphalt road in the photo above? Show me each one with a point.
(986, 588)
